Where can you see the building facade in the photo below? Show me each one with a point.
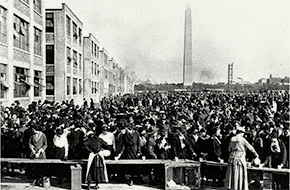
(22, 55)
(92, 68)
(64, 51)
(230, 73)
(43, 55)
(105, 75)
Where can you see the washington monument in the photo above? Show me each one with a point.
(187, 52)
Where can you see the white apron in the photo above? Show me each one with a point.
(90, 160)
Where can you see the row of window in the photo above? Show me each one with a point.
(49, 22)
(76, 86)
(95, 69)
(76, 32)
(106, 58)
(36, 5)
(77, 58)
(49, 85)
(95, 87)
(95, 50)
(49, 54)
(20, 33)
(21, 82)
(22, 85)
(3, 25)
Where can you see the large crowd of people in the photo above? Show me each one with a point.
(154, 125)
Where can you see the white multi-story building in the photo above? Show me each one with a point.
(22, 55)
(64, 51)
(92, 68)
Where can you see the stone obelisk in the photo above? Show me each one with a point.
(187, 52)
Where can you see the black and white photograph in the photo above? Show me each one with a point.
(145, 94)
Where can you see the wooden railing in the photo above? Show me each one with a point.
(185, 168)
(262, 169)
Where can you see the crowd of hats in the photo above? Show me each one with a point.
(150, 112)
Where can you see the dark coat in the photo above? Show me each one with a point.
(151, 143)
(76, 138)
(119, 142)
(131, 146)
(215, 150)
(95, 144)
(177, 151)
(225, 146)
(202, 146)
(193, 143)
(274, 159)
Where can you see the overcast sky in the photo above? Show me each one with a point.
(147, 36)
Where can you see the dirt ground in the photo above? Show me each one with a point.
(27, 186)
(21, 182)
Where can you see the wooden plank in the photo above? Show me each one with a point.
(38, 161)
(134, 162)
(265, 169)
(171, 163)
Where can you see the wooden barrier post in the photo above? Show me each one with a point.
(76, 177)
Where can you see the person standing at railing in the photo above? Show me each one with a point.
(109, 138)
(214, 154)
(60, 152)
(237, 175)
(277, 158)
(96, 166)
(131, 149)
(37, 145)
(203, 142)
(285, 137)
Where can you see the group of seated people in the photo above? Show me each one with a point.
(153, 125)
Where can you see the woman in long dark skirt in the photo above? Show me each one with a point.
(96, 167)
